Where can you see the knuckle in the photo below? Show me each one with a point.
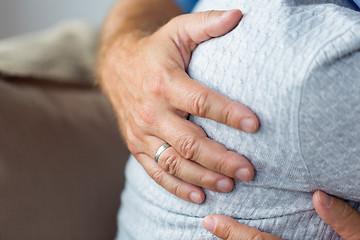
(175, 26)
(227, 114)
(176, 189)
(158, 176)
(222, 164)
(203, 179)
(227, 232)
(155, 84)
(145, 116)
(208, 15)
(198, 103)
(171, 164)
(187, 146)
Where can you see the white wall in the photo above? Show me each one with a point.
(21, 16)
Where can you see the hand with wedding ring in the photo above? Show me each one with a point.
(152, 95)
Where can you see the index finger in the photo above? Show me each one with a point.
(195, 98)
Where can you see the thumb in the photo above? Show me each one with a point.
(202, 26)
(229, 229)
(193, 29)
(340, 216)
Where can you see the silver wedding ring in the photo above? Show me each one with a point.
(160, 151)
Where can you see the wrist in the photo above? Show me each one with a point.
(113, 56)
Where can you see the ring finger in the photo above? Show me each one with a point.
(172, 184)
(173, 163)
(191, 142)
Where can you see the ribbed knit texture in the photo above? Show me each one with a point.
(297, 65)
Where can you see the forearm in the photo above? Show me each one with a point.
(136, 17)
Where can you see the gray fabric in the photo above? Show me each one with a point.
(297, 65)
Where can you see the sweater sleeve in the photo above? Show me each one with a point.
(329, 126)
(186, 5)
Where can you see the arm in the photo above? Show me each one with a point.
(135, 17)
(141, 68)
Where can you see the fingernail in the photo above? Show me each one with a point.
(248, 125)
(196, 197)
(325, 199)
(227, 13)
(224, 185)
(243, 174)
(209, 224)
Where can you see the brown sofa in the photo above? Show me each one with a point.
(61, 156)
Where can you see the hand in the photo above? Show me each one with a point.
(152, 96)
(336, 213)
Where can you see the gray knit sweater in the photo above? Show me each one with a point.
(296, 64)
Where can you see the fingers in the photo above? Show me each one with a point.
(192, 143)
(229, 229)
(173, 163)
(337, 214)
(172, 184)
(197, 99)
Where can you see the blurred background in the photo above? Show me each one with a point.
(23, 16)
(61, 156)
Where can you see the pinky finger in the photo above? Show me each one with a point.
(172, 184)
